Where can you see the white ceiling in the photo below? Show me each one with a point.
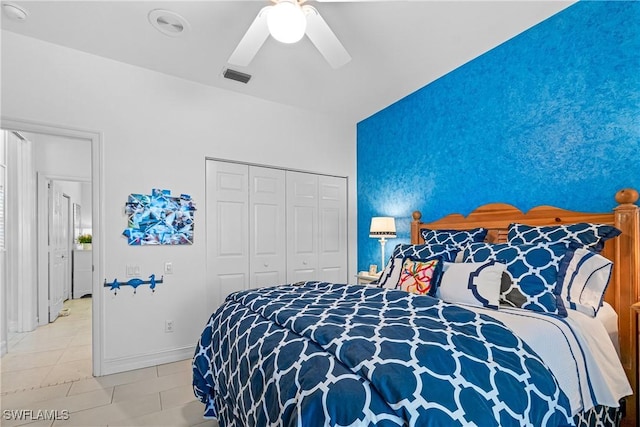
(397, 46)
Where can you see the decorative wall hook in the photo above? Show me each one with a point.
(134, 283)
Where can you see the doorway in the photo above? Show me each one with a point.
(64, 268)
(52, 139)
(64, 264)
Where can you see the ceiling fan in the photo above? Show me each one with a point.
(288, 21)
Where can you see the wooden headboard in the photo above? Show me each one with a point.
(624, 251)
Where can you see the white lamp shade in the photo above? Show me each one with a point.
(286, 21)
(382, 226)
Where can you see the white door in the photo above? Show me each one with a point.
(332, 212)
(302, 227)
(58, 249)
(267, 239)
(68, 244)
(227, 200)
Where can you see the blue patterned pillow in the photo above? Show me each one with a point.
(456, 238)
(591, 236)
(533, 270)
(391, 273)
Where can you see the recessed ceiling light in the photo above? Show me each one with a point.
(168, 23)
(14, 12)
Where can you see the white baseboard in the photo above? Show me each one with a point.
(121, 364)
(3, 348)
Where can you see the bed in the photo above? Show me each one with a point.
(314, 353)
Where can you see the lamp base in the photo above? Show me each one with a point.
(383, 241)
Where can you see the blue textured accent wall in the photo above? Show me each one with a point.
(552, 117)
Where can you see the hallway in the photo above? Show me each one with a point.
(57, 353)
(49, 369)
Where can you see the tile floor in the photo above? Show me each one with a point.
(47, 374)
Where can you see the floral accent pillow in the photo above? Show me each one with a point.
(391, 273)
(420, 277)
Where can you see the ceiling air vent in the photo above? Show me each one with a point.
(236, 75)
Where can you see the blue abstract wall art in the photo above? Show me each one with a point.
(159, 219)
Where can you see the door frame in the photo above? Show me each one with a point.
(97, 213)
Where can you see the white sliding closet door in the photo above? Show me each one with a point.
(302, 227)
(227, 203)
(267, 226)
(267, 237)
(332, 224)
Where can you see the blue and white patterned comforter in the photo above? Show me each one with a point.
(322, 354)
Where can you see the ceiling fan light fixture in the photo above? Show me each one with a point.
(286, 21)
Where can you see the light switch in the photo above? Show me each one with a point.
(168, 268)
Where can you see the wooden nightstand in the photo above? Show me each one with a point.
(364, 278)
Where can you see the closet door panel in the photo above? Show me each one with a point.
(229, 283)
(267, 234)
(332, 210)
(269, 278)
(227, 201)
(266, 219)
(231, 228)
(302, 226)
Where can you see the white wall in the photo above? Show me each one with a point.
(68, 161)
(61, 157)
(3, 279)
(157, 131)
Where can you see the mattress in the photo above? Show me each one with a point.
(609, 319)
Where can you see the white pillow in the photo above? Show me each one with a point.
(472, 283)
(584, 276)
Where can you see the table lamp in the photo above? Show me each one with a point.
(382, 227)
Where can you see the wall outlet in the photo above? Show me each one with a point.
(168, 268)
(133, 270)
(168, 325)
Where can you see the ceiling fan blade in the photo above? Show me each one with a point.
(252, 41)
(324, 39)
